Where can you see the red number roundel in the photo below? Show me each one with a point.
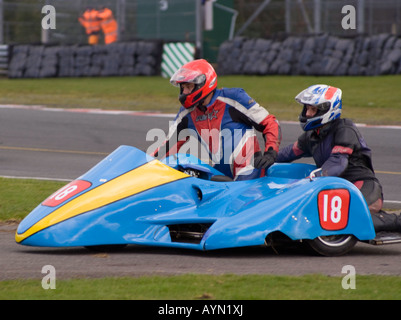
(66, 193)
(333, 208)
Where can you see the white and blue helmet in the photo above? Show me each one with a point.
(328, 101)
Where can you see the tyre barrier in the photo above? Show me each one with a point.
(117, 59)
(312, 55)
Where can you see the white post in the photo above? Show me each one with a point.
(1, 23)
(317, 16)
(199, 27)
(360, 12)
(288, 16)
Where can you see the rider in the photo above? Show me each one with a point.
(338, 148)
(223, 121)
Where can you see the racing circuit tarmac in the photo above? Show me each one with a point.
(63, 145)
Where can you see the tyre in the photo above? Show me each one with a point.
(335, 245)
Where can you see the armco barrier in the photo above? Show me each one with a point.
(312, 55)
(3, 59)
(117, 59)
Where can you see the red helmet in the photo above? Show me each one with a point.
(201, 73)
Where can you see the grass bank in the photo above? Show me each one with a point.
(18, 197)
(206, 287)
(372, 100)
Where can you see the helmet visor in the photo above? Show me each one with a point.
(324, 106)
(186, 75)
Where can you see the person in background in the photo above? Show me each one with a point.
(222, 113)
(338, 149)
(91, 22)
(109, 25)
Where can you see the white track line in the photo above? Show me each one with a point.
(146, 114)
(36, 178)
(90, 111)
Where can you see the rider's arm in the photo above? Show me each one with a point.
(299, 149)
(290, 153)
(271, 132)
(172, 145)
(344, 143)
(248, 111)
(336, 164)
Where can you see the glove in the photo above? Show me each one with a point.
(266, 160)
(316, 173)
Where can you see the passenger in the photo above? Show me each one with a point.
(338, 148)
(223, 121)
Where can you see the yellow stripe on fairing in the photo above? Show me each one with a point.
(148, 176)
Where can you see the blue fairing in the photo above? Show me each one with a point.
(230, 214)
(117, 163)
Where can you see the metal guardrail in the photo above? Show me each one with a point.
(3, 59)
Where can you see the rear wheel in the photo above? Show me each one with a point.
(335, 245)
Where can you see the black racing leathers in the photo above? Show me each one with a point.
(338, 148)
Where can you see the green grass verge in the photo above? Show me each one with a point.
(197, 287)
(372, 100)
(18, 197)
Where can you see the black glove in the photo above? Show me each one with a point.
(266, 160)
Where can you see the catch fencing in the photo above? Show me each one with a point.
(285, 37)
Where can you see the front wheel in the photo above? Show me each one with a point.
(335, 245)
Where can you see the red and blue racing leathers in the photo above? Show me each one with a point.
(225, 128)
